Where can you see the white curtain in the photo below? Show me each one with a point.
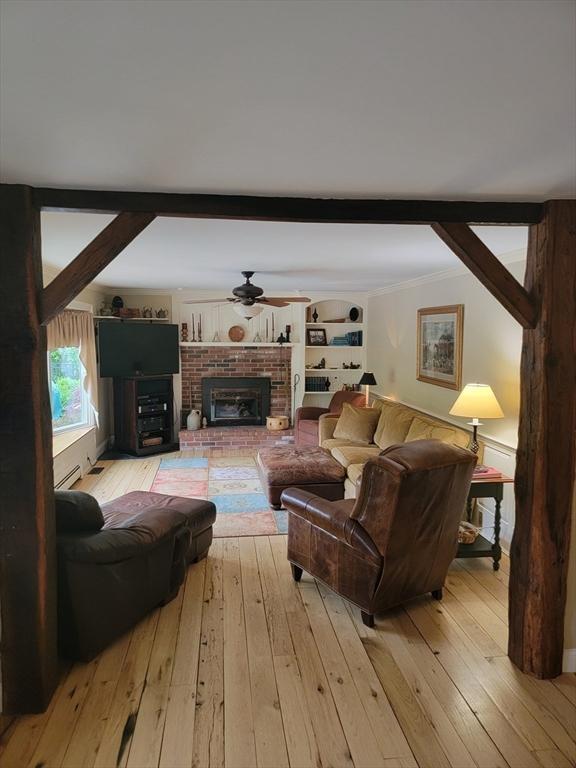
(74, 328)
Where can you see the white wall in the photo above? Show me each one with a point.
(491, 351)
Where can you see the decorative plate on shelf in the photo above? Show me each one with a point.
(236, 333)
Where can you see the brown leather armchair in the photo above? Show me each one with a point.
(306, 417)
(396, 540)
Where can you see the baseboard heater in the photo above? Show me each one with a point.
(69, 480)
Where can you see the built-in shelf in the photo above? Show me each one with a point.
(311, 392)
(233, 344)
(130, 319)
(350, 322)
(334, 346)
(359, 371)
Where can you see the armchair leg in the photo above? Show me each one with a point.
(437, 594)
(367, 618)
(296, 572)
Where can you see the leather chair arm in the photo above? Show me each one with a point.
(137, 535)
(309, 413)
(333, 517)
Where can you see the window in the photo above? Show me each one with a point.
(69, 401)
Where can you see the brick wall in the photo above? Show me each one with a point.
(199, 362)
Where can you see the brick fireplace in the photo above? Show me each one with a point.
(228, 361)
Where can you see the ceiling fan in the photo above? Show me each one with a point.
(249, 299)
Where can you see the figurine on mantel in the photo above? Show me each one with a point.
(184, 332)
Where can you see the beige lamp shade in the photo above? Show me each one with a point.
(478, 401)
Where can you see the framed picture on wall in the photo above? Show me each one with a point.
(439, 345)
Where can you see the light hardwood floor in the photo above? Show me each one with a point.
(246, 668)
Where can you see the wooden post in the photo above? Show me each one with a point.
(546, 448)
(27, 535)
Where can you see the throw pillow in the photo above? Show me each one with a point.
(393, 424)
(423, 430)
(357, 424)
(77, 512)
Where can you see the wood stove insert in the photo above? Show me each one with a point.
(236, 401)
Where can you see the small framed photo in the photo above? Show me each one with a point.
(316, 337)
(439, 345)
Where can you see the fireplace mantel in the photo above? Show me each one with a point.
(234, 344)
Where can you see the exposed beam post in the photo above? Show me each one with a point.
(27, 535)
(91, 261)
(546, 448)
(489, 270)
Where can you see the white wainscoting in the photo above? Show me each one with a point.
(74, 459)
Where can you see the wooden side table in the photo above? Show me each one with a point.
(482, 547)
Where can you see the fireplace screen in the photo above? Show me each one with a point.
(235, 400)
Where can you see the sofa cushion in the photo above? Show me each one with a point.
(422, 429)
(355, 472)
(77, 512)
(334, 442)
(353, 454)
(393, 424)
(357, 424)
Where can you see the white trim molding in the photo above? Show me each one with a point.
(433, 277)
(569, 660)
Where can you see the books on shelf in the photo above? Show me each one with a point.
(317, 384)
(482, 472)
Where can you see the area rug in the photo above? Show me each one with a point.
(232, 484)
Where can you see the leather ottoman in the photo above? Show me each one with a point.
(311, 469)
(200, 516)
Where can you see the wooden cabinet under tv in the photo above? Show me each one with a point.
(144, 415)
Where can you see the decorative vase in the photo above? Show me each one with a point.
(194, 420)
(315, 315)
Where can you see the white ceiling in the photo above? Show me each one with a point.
(446, 99)
(467, 99)
(207, 254)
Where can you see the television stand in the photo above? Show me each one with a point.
(144, 415)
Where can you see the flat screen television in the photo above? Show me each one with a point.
(138, 348)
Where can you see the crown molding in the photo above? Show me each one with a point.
(510, 257)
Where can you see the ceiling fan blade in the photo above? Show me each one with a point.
(286, 299)
(207, 301)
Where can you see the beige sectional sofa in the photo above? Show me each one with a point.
(397, 423)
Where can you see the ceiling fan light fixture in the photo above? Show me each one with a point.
(248, 311)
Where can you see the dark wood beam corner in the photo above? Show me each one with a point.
(489, 270)
(91, 261)
(299, 209)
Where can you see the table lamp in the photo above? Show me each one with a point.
(366, 380)
(478, 402)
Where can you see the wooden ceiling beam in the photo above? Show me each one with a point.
(290, 209)
(489, 270)
(91, 261)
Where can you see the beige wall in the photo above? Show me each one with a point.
(491, 353)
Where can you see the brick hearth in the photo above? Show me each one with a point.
(234, 437)
(199, 362)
